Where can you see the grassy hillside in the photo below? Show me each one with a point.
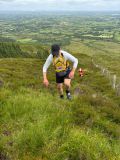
(14, 50)
(107, 54)
(36, 125)
(8, 49)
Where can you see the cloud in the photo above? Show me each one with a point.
(60, 4)
(6, 1)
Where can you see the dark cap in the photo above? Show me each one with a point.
(55, 48)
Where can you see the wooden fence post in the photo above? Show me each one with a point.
(114, 81)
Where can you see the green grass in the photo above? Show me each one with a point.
(107, 54)
(36, 125)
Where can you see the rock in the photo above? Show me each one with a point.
(78, 91)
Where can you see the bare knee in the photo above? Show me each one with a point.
(59, 86)
(67, 83)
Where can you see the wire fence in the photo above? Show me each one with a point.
(113, 79)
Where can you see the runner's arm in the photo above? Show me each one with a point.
(46, 66)
(71, 58)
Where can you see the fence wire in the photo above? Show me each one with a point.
(113, 79)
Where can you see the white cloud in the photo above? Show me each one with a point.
(60, 4)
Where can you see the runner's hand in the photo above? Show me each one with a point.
(71, 75)
(46, 82)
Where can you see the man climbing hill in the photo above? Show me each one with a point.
(64, 73)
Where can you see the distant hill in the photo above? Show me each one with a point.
(14, 50)
(35, 50)
(6, 39)
(11, 49)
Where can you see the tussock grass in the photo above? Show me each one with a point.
(40, 126)
(36, 124)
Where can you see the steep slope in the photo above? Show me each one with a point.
(36, 124)
(14, 50)
(8, 49)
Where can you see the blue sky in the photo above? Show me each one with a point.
(81, 5)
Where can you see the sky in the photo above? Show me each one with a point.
(57, 5)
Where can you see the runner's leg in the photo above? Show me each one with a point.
(67, 83)
(60, 89)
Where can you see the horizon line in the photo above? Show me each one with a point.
(60, 10)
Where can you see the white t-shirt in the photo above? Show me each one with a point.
(66, 55)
